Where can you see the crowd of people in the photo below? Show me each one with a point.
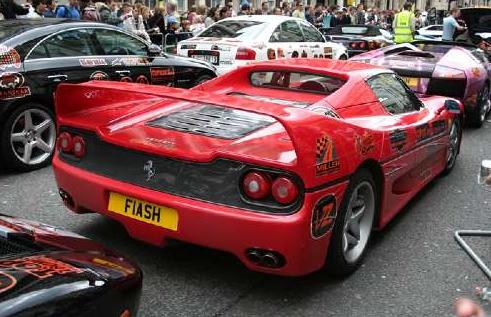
(138, 18)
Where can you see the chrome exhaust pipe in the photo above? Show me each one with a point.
(270, 260)
(255, 256)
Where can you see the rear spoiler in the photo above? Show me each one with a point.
(309, 132)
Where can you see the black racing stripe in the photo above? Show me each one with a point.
(329, 184)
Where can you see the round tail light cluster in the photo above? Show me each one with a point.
(69, 144)
(358, 45)
(260, 185)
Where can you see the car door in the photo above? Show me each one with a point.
(316, 45)
(129, 59)
(412, 139)
(66, 56)
(287, 40)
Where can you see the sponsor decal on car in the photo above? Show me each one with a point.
(295, 54)
(280, 53)
(323, 217)
(12, 86)
(7, 281)
(271, 53)
(423, 132)
(130, 61)
(160, 74)
(398, 139)
(476, 72)
(126, 79)
(98, 75)
(113, 266)
(326, 157)
(40, 266)
(142, 79)
(9, 57)
(304, 54)
(92, 62)
(364, 144)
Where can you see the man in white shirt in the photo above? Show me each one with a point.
(39, 8)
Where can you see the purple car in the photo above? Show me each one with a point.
(440, 68)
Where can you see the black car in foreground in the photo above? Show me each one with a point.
(37, 55)
(45, 271)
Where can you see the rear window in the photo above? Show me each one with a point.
(241, 30)
(304, 82)
(354, 30)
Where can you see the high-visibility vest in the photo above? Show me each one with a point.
(402, 30)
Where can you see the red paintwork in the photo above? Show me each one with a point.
(118, 113)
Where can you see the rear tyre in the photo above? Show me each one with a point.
(353, 226)
(480, 112)
(455, 135)
(28, 137)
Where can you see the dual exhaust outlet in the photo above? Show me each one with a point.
(266, 258)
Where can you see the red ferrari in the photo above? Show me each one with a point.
(287, 165)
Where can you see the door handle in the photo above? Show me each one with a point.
(57, 78)
(123, 72)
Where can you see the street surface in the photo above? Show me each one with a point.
(413, 268)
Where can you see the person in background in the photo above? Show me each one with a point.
(157, 21)
(360, 15)
(211, 17)
(418, 21)
(89, 12)
(185, 26)
(171, 9)
(338, 19)
(69, 11)
(9, 9)
(352, 14)
(318, 15)
(277, 11)
(50, 9)
(309, 15)
(264, 8)
(39, 8)
(200, 12)
(198, 25)
(106, 14)
(404, 25)
(285, 9)
(192, 14)
(346, 17)
(230, 7)
(450, 25)
(299, 11)
(244, 9)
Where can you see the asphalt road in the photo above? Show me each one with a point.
(414, 267)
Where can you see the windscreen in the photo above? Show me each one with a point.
(242, 30)
(296, 81)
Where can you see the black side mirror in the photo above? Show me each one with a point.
(154, 50)
(452, 106)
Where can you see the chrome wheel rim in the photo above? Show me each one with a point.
(358, 221)
(33, 136)
(484, 104)
(453, 145)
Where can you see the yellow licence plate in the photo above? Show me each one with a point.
(411, 81)
(161, 216)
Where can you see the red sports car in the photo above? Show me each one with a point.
(289, 166)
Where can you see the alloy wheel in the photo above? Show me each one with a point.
(33, 136)
(358, 221)
(453, 145)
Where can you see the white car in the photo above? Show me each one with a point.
(431, 32)
(237, 41)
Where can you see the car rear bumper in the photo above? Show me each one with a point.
(220, 227)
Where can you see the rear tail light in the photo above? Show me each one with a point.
(447, 72)
(362, 45)
(244, 53)
(269, 187)
(284, 190)
(256, 185)
(65, 142)
(78, 146)
(71, 144)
